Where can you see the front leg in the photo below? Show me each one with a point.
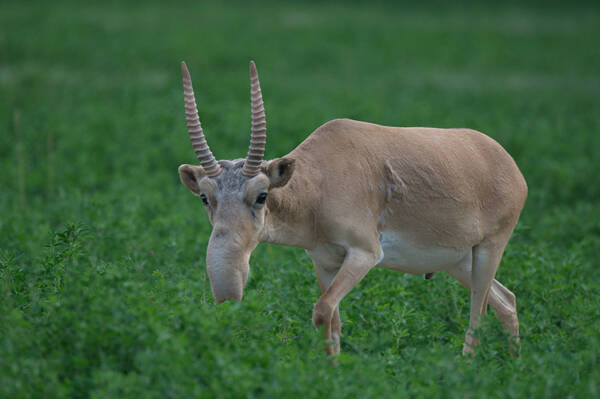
(355, 266)
(326, 270)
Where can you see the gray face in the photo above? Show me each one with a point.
(236, 206)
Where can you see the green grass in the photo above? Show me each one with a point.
(103, 285)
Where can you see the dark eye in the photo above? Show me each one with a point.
(204, 199)
(262, 197)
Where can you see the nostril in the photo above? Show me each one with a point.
(220, 233)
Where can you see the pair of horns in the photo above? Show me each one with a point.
(258, 136)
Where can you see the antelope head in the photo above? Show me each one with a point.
(234, 193)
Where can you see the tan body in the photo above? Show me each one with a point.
(416, 200)
(357, 195)
(446, 188)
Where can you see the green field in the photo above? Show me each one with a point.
(103, 287)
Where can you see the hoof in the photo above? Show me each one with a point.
(468, 351)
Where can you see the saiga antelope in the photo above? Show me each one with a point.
(355, 196)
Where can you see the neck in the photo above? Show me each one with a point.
(291, 219)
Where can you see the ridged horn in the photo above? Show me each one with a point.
(205, 156)
(258, 136)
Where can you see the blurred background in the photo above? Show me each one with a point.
(104, 291)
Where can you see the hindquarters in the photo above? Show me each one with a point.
(451, 188)
(502, 190)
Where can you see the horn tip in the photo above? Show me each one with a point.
(252, 68)
(184, 69)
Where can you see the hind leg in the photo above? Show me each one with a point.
(499, 297)
(504, 303)
(486, 258)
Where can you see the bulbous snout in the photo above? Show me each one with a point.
(227, 283)
(227, 266)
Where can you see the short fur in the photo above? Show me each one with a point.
(357, 195)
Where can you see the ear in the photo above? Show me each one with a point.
(280, 171)
(190, 176)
